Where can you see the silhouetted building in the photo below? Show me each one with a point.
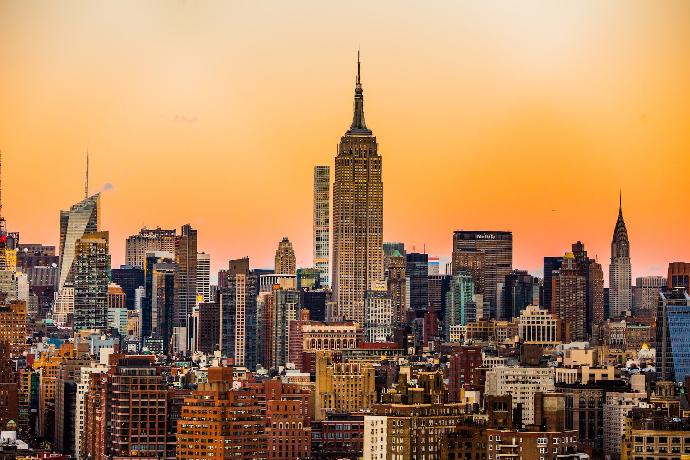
(129, 278)
(417, 270)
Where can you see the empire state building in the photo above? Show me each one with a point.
(357, 215)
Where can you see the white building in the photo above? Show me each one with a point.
(203, 277)
(284, 280)
(82, 387)
(521, 383)
(63, 306)
(378, 314)
(375, 437)
(616, 409)
(322, 226)
(538, 326)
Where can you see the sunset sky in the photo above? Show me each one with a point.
(524, 115)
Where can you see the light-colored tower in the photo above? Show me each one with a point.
(285, 260)
(357, 215)
(322, 222)
(185, 278)
(203, 277)
(620, 290)
(148, 240)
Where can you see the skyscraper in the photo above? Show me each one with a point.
(379, 318)
(91, 269)
(279, 308)
(678, 275)
(285, 260)
(646, 295)
(569, 299)
(129, 279)
(185, 277)
(517, 294)
(418, 278)
(439, 285)
(620, 281)
(81, 218)
(550, 264)
(146, 319)
(389, 249)
(148, 240)
(357, 214)
(672, 325)
(496, 248)
(322, 222)
(595, 295)
(594, 282)
(460, 306)
(203, 277)
(238, 313)
(162, 298)
(397, 286)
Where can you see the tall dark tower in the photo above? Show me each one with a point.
(620, 282)
(357, 214)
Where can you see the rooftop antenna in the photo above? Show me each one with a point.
(86, 183)
(359, 80)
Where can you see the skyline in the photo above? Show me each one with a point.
(536, 117)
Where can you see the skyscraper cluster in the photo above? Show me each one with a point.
(375, 351)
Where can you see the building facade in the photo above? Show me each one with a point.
(357, 215)
(92, 266)
(490, 254)
(285, 260)
(148, 240)
(203, 277)
(672, 326)
(620, 281)
(322, 222)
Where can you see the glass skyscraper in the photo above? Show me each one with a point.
(82, 218)
(672, 337)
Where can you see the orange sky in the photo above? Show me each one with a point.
(520, 115)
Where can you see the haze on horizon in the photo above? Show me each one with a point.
(527, 116)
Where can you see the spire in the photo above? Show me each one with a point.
(620, 243)
(86, 182)
(359, 71)
(358, 126)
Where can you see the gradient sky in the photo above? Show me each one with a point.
(510, 115)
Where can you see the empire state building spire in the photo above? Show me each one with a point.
(357, 215)
(358, 126)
